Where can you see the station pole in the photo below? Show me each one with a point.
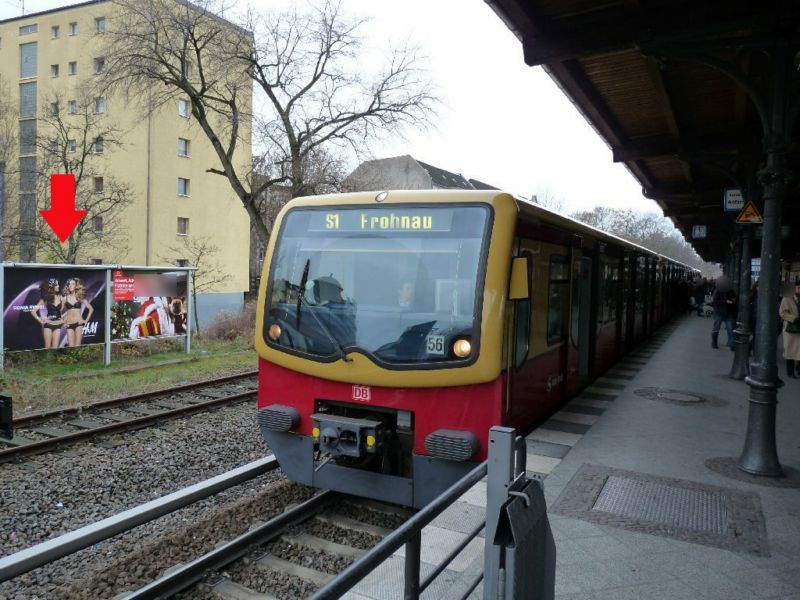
(2, 255)
(760, 455)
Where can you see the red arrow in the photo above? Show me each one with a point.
(62, 216)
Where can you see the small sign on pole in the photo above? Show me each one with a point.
(749, 215)
(733, 200)
(699, 232)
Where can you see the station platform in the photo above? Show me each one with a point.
(644, 498)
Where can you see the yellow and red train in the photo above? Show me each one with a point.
(395, 328)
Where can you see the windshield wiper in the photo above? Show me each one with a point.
(301, 300)
(301, 290)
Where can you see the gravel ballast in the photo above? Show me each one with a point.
(51, 494)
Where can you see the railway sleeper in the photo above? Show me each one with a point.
(281, 565)
(225, 589)
(352, 524)
(317, 543)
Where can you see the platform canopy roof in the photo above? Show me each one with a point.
(657, 79)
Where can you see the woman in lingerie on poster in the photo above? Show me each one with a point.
(48, 313)
(74, 303)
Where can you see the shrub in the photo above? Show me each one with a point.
(232, 325)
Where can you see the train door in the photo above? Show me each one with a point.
(536, 373)
(580, 323)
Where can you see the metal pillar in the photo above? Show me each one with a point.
(741, 359)
(107, 321)
(500, 473)
(760, 454)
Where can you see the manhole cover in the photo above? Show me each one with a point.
(671, 396)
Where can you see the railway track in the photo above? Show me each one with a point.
(291, 555)
(46, 431)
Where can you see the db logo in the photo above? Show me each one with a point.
(361, 393)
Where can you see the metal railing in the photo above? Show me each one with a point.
(410, 534)
(509, 493)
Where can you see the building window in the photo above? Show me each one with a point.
(53, 70)
(73, 68)
(28, 29)
(72, 107)
(99, 65)
(72, 146)
(100, 105)
(260, 255)
(183, 147)
(183, 108)
(54, 147)
(27, 60)
(97, 147)
(27, 136)
(97, 261)
(54, 109)
(97, 225)
(73, 29)
(55, 32)
(182, 262)
(186, 69)
(98, 184)
(27, 99)
(183, 226)
(100, 25)
(183, 186)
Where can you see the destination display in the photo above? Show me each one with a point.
(382, 219)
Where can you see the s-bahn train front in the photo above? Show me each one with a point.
(380, 338)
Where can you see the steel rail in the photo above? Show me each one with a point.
(41, 416)
(39, 446)
(46, 552)
(186, 575)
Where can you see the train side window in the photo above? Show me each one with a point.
(522, 324)
(557, 298)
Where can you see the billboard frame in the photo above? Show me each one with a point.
(107, 342)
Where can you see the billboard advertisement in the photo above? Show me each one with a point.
(148, 305)
(53, 308)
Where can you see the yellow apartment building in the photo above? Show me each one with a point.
(163, 157)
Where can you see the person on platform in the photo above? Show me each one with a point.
(48, 313)
(790, 315)
(72, 307)
(699, 292)
(724, 303)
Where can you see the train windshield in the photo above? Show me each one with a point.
(401, 284)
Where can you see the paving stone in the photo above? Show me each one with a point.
(576, 417)
(476, 495)
(541, 464)
(583, 401)
(547, 448)
(565, 426)
(461, 516)
(543, 434)
(596, 393)
(437, 543)
(583, 409)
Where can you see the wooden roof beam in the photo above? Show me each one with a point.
(714, 145)
(617, 28)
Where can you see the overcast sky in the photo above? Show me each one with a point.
(500, 121)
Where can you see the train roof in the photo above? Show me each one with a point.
(547, 215)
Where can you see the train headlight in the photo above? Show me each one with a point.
(274, 332)
(462, 348)
(370, 441)
(315, 433)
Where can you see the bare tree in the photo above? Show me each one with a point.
(307, 64)
(201, 253)
(304, 64)
(546, 198)
(73, 138)
(650, 230)
(8, 143)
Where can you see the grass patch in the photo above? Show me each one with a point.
(46, 380)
